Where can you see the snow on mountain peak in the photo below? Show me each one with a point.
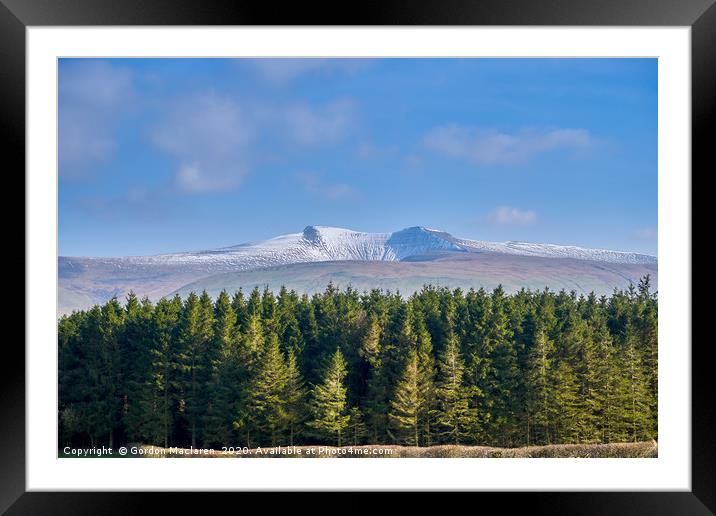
(325, 243)
(322, 233)
(418, 240)
(345, 244)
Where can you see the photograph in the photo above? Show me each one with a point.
(384, 257)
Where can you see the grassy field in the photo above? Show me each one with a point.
(646, 449)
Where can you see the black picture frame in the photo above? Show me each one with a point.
(17, 15)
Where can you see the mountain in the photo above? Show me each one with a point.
(309, 259)
(463, 270)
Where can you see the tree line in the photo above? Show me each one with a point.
(343, 367)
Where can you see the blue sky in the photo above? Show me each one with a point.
(163, 155)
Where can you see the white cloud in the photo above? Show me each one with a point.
(327, 123)
(314, 185)
(509, 216)
(93, 97)
(214, 140)
(491, 147)
(208, 136)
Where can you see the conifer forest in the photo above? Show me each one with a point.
(342, 367)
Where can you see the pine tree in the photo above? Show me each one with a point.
(503, 375)
(633, 395)
(328, 405)
(356, 427)
(533, 367)
(142, 403)
(112, 379)
(190, 350)
(328, 327)
(238, 303)
(266, 403)
(252, 342)
(453, 413)
(309, 332)
(295, 397)
(540, 389)
(605, 386)
(376, 385)
(253, 305)
(164, 376)
(426, 384)
(473, 326)
(405, 407)
(220, 375)
(370, 343)
(646, 322)
(268, 310)
(566, 413)
(84, 387)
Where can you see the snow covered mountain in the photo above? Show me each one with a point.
(86, 281)
(321, 244)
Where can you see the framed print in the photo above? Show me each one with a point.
(458, 237)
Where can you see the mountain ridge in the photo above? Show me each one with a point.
(84, 281)
(334, 243)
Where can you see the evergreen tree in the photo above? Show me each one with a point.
(532, 367)
(503, 375)
(566, 414)
(86, 391)
(605, 386)
(295, 397)
(453, 413)
(238, 303)
(540, 390)
(633, 395)
(142, 401)
(219, 375)
(252, 343)
(112, 378)
(405, 407)
(646, 326)
(426, 383)
(376, 404)
(165, 373)
(328, 405)
(356, 427)
(473, 328)
(309, 332)
(190, 350)
(266, 401)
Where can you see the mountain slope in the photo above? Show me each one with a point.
(86, 281)
(464, 270)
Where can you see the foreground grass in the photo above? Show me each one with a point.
(645, 449)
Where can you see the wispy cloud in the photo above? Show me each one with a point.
(315, 185)
(491, 147)
(283, 70)
(93, 97)
(327, 123)
(208, 137)
(510, 216)
(214, 140)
